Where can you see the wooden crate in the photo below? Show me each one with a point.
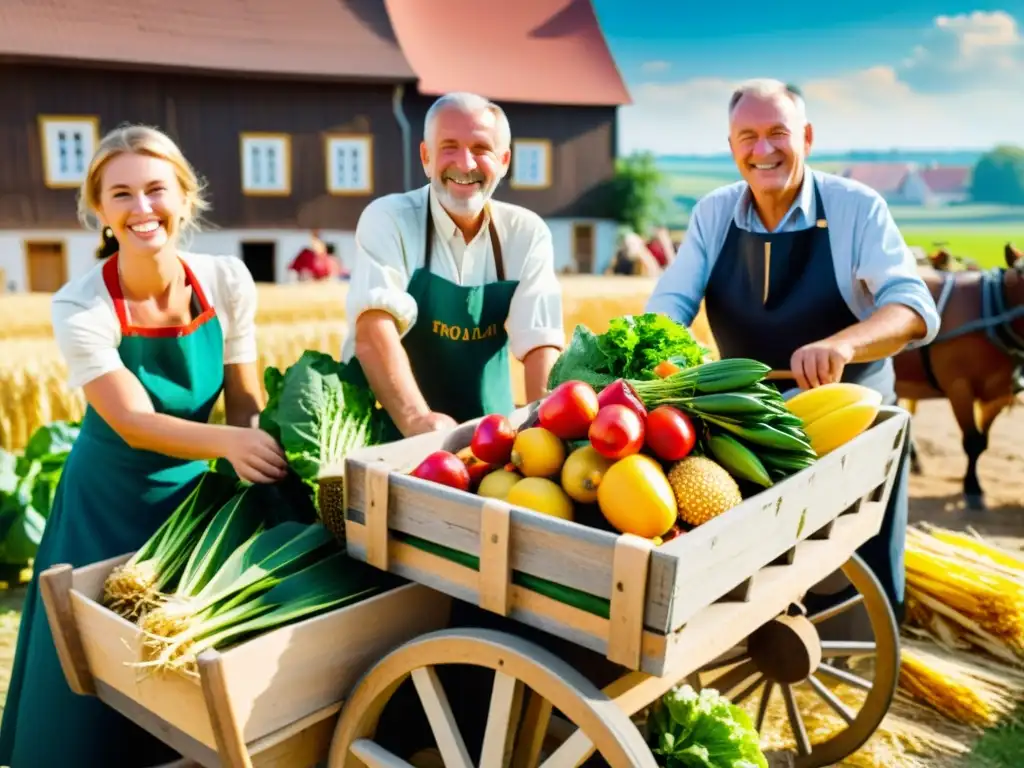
(277, 693)
(642, 606)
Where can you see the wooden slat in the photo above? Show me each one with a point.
(377, 505)
(626, 625)
(495, 556)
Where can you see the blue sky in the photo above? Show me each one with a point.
(938, 74)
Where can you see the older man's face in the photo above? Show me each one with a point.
(464, 160)
(769, 142)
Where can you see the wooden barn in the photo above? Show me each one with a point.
(296, 114)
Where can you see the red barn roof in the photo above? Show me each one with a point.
(350, 39)
(541, 51)
(884, 178)
(946, 179)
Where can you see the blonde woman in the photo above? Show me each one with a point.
(153, 335)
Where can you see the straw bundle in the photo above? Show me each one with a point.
(964, 592)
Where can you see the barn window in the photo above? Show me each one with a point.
(266, 164)
(531, 164)
(349, 159)
(68, 143)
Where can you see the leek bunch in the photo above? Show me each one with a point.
(274, 577)
(136, 586)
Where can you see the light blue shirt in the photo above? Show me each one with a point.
(873, 265)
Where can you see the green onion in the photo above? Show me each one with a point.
(134, 587)
(237, 595)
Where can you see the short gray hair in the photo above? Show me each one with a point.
(767, 88)
(469, 103)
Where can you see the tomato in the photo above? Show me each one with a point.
(666, 368)
(444, 468)
(670, 433)
(617, 432)
(568, 410)
(493, 439)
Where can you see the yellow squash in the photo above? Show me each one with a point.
(840, 427)
(635, 497)
(812, 404)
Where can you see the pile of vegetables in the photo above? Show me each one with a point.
(225, 567)
(28, 484)
(656, 455)
(686, 729)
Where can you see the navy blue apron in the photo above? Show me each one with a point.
(770, 294)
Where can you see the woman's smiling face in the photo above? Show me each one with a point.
(142, 201)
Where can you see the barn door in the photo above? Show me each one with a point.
(583, 247)
(46, 266)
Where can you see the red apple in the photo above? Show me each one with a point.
(493, 439)
(568, 410)
(617, 432)
(443, 468)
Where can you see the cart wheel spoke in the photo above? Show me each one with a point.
(725, 661)
(832, 700)
(762, 708)
(834, 649)
(796, 722)
(728, 681)
(570, 754)
(533, 691)
(373, 756)
(502, 719)
(847, 677)
(746, 693)
(835, 610)
(442, 722)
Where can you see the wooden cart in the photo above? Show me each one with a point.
(721, 606)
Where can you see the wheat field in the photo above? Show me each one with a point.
(290, 319)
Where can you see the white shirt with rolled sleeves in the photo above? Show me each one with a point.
(873, 265)
(390, 248)
(88, 332)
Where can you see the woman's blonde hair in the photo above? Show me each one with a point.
(141, 140)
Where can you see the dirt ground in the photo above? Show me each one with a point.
(936, 492)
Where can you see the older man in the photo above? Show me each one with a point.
(439, 270)
(804, 271)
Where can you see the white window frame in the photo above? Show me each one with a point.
(253, 183)
(362, 144)
(522, 150)
(66, 166)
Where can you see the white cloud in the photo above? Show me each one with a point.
(963, 86)
(655, 67)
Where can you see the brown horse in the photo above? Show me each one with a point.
(977, 360)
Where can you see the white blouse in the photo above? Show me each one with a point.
(390, 239)
(88, 331)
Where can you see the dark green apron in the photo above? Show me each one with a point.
(458, 347)
(110, 500)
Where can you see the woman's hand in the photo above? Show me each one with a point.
(256, 456)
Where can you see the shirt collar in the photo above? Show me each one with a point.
(444, 223)
(799, 216)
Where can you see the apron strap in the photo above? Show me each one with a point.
(499, 260)
(492, 231)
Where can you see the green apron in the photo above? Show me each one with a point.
(110, 500)
(458, 347)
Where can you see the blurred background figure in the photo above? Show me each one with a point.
(316, 261)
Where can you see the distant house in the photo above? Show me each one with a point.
(908, 184)
(297, 116)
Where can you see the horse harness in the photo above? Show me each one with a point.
(996, 320)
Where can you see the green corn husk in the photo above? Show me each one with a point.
(182, 627)
(133, 588)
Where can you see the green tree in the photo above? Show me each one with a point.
(638, 199)
(999, 177)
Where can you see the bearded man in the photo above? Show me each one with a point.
(442, 270)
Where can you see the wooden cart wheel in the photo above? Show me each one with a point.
(792, 651)
(528, 683)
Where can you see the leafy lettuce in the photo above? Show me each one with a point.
(631, 348)
(702, 730)
(28, 484)
(319, 412)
